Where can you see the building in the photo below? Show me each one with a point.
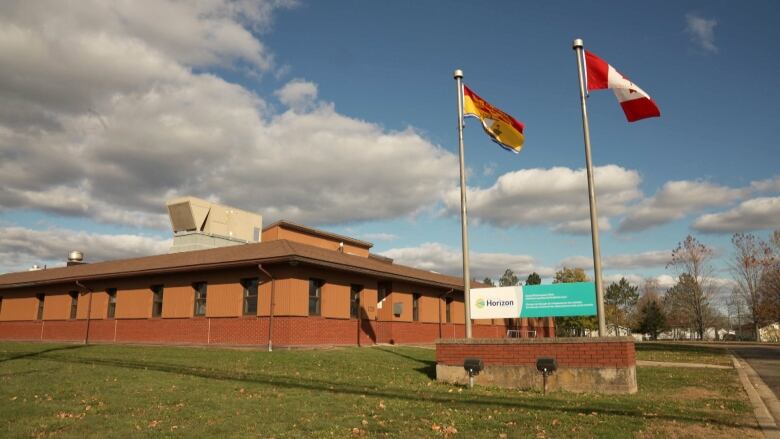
(297, 286)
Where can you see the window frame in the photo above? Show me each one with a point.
(249, 284)
(354, 300)
(41, 303)
(200, 292)
(315, 286)
(158, 290)
(448, 309)
(416, 307)
(74, 304)
(111, 309)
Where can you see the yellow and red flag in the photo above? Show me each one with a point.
(501, 127)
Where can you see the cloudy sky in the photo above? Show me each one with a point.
(341, 115)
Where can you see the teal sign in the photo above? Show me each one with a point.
(559, 300)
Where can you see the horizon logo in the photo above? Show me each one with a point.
(481, 303)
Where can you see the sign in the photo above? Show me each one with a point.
(559, 300)
(554, 300)
(496, 303)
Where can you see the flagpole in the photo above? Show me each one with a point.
(577, 45)
(463, 218)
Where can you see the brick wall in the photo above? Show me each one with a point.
(288, 331)
(569, 352)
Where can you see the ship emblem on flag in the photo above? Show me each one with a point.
(501, 127)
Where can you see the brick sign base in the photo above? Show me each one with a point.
(597, 365)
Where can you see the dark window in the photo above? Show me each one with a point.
(74, 304)
(157, 300)
(383, 290)
(315, 296)
(354, 300)
(41, 299)
(415, 307)
(201, 290)
(448, 309)
(1, 304)
(111, 302)
(250, 296)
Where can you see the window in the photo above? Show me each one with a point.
(250, 296)
(354, 300)
(448, 309)
(201, 289)
(157, 300)
(74, 303)
(111, 302)
(383, 290)
(315, 296)
(415, 307)
(1, 304)
(41, 298)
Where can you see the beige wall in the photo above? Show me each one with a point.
(278, 232)
(19, 307)
(133, 303)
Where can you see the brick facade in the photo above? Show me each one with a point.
(577, 352)
(288, 331)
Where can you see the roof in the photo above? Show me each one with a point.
(312, 231)
(275, 251)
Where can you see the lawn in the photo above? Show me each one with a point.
(115, 391)
(677, 352)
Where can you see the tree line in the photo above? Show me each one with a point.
(691, 305)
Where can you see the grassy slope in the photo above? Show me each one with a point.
(111, 391)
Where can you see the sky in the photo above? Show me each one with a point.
(342, 115)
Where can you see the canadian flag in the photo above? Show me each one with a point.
(635, 102)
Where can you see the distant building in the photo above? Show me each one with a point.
(327, 289)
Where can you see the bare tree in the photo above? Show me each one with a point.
(751, 259)
(770, 284)
(692, 261)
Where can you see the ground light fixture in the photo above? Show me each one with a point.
(546, 366)
(473, 367)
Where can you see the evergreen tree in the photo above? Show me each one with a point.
(509, 279)
(652, 319)
(533, 279)
(488, 281)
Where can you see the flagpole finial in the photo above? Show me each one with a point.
(576, 43)
(458, 73)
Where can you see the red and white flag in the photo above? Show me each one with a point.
(635, 102)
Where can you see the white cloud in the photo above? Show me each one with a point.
(768, 185)
(630, 260)
(380, 236)
(756, 214)
(664, 280)
(20, 247)
(702, 31)
(556, 196)
(298, 94)
(443, 259)
(108, 110)
(674, 201)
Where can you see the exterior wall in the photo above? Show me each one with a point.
(278, 232)
(224, 322)
(56, 306)
(19, 307)
(605, 365)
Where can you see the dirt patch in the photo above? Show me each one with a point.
(696, 393)
(677, 430)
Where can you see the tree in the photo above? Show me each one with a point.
(693, 291)
(533, 279)
(619, 301)
(573, 325)
(751, 259)
(509, 279)
(652, 319)
(488, 281)
(769, 286)
(689, 305)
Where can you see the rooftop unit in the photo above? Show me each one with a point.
(199, 224)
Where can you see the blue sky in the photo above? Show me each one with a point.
(341, 115)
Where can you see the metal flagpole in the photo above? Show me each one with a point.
(463, 218)
(594, 216)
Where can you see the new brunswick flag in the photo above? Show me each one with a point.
(501, 127)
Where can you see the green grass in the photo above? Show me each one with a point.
(115, 391)
(682, 353)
